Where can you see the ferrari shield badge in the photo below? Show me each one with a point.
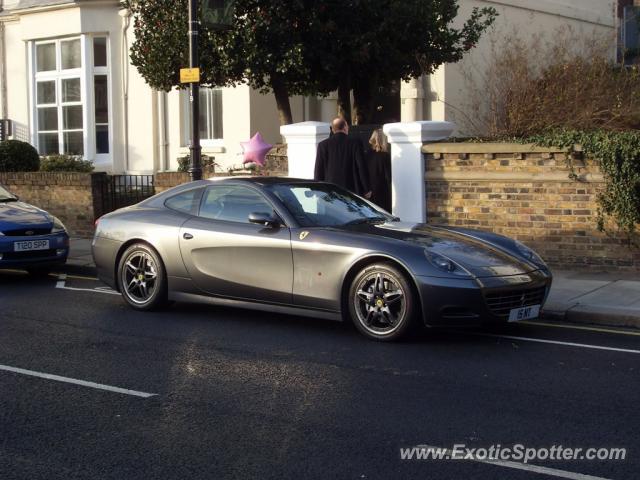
(303, 235)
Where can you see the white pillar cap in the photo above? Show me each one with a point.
(418, 132)
(305, 129)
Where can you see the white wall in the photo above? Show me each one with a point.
(17, 80)
(525, 18)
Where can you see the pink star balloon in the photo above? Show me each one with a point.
(255, 150)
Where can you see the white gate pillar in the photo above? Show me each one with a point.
(302, 141)
(408, 198)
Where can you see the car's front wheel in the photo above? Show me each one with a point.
(142, 278)
(381, 302)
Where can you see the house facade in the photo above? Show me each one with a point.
(67, 86)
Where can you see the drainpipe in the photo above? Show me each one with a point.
(125, 14)
(3, 72)
(162, 131)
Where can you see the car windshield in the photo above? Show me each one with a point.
(326, 205)
(5, 196)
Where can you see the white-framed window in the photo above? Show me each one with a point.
(71, 96)
(58, 97)
(210, 119)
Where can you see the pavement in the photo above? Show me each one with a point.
(604, 298)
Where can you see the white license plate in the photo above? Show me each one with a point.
(524, 313)
(29, 245)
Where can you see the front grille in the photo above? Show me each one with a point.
(501, 303)
(27, 232)
(29, 255)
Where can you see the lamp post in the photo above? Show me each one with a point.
(217, 14)
(195, 150)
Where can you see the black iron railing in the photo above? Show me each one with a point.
(111, 192)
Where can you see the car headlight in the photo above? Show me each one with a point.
(58, 226)
(440, 261)
(529, 254)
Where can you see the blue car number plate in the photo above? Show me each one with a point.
(524, 313)
(29, 245)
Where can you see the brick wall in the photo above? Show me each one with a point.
(524, 192)
(65, 195)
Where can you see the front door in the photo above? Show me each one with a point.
(229, 257)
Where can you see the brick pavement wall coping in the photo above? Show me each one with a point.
(68, 196)
(276, 165)
(525, 192)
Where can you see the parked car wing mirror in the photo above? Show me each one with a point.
(264, 218)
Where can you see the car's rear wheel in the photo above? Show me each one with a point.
(142, 278)
(381, 302)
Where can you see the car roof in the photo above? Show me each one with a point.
(261, 180)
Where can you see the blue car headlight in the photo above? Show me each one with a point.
(58, 226)
(529, 254)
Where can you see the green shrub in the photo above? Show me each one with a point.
(65, 163)
(208, 163)
(17, 156)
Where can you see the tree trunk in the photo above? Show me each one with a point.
(344, 98)
(362, 102)
(282, 100)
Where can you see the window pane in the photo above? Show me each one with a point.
(210, 113)
(100, 52)
(70, 54)
(101, 94)
(47, 118)
(48, 143)
(71, 90)
(102, 139)
(72, 117)
(233, 204)
(186, 202)
(46, 57)
(73, 144)
(46, 92)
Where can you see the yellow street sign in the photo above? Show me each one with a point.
(189, 75)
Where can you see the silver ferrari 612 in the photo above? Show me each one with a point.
(311, 248)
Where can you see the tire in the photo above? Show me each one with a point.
(142, 278)
(381, 303)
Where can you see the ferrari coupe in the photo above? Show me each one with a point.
(312, 248)
(30, 238)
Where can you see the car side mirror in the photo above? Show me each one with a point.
(266, 219)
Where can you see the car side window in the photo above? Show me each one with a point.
(185, 202)
(232, 203)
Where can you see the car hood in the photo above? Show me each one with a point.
(480, 257)
(16, 215)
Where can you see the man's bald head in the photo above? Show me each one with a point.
(339, 124)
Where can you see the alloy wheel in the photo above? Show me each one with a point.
(139, 277)
(380, 302)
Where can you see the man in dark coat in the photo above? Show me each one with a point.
(340, 159)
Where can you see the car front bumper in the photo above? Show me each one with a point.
(466, 302)
(56, 254)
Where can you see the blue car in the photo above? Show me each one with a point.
(30, 238)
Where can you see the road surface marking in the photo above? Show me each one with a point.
(57, 378)
(62, 278)
(579, 327)
(78, 277)
(556, 342)
(554, 472)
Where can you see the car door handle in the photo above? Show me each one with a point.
(187, 236)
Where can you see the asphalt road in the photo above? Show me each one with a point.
(240, 394)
